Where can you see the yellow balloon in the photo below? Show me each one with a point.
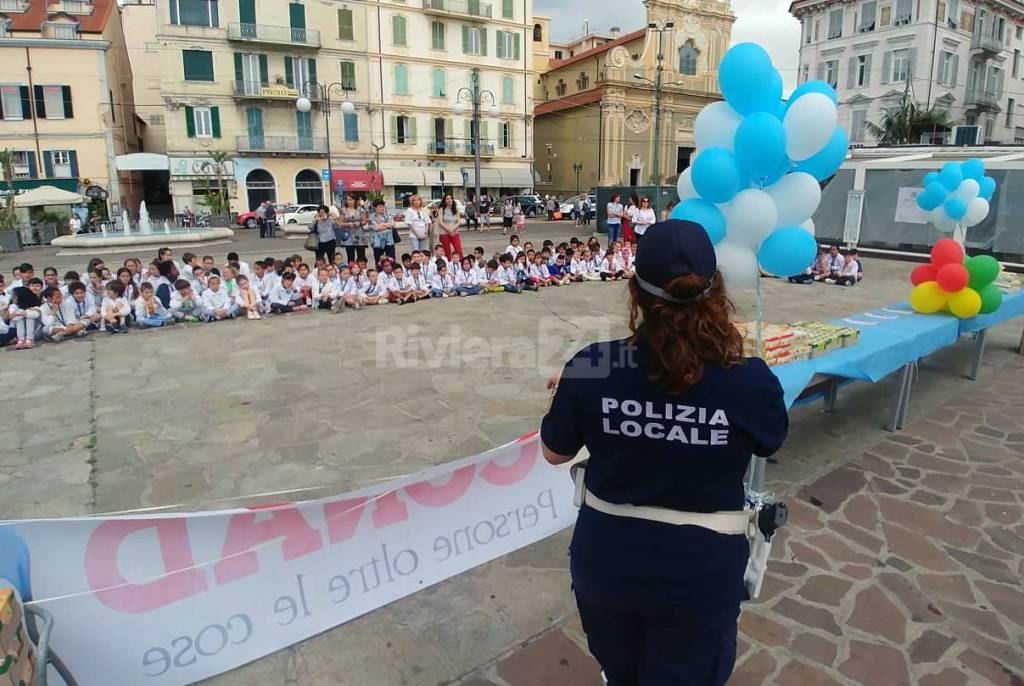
(928, 298)
(965, 303)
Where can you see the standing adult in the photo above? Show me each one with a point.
(658, 581)
(261, 218)
(485, 211)
(628, 233)
(551, 204)
(326, 230)
(449, 222)
(74, 224)
(382, 234)
(644, 217)
(615, 215)
(271, 219)
(353, 236)
(508, 214)
(419, 220)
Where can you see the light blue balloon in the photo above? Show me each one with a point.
(704, 213)
(938, 191)
(785, 166)
(716, 175)
(824, 164)
(760, 145)
(956, 208)
(951, 176)
(812, 87)
(787, 251)
(928, 201)
(930, 178)
(988, 187)
(973, 169)
(746, 79)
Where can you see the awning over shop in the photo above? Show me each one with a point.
(48, 195)
(490, 178)
(517, 178)
(24, 185)
(357, 180)
(142, 161)
(404, 176)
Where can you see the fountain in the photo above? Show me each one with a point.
(167, 226)
(145, 226)
(126, 223)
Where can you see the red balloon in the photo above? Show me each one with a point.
(923, 273)
(947, 251)
(953, 278)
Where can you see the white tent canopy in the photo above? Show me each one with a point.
(47, 195)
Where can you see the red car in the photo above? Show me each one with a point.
(248, 219)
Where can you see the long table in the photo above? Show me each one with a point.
(892, 339)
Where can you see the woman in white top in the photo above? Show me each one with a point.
(644, 217)
(419, 222)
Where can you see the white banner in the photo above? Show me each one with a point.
(906, 207)
(169, 599)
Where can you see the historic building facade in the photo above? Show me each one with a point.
(596, 111)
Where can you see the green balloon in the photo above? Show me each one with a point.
(983, 270)
(991, 298)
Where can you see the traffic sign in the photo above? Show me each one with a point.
(325, 174)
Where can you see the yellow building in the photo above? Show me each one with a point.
(596, 117)
(66, 100)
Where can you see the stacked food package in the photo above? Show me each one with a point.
(1008, 282)
(17, 655)
(783, 343)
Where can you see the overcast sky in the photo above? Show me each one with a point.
(767, 22)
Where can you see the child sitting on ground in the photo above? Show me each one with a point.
(400, 287)
(420, 285)
(373, 292)
(26, 312)
(216, 302)
(284, 298)
(249, 299)
(610, 269)
(443, 285)
(56, 326)
(115, 309)
(150, 313)
(466, 282)
(492, 282)
(186, 305)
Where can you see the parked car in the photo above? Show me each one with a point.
(434, 204)
(301, 214)
(568, 207)
(248, 219)
(532, 204)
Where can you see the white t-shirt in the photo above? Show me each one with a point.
(419, 222)
(641, 219)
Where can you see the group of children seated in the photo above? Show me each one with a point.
(196, 290)
(833, 267)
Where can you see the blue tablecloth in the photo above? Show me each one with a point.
(890, 337)
(1013, 306)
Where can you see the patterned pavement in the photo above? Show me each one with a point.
(902, 566)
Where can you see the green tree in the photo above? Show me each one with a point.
(217, 198)
(905, 123)
(7, 172)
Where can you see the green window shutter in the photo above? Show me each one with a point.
(401, 80)
(351, 122)
(238, 67)
(190, 121)
(246, 11)
(465, 40)
(296, 16)
(311, 63)
(40, 102)
(348, 75)
(515, 46)
(511, 135)
(499, 47)
(410, 132)
(506, 9)
(68, 109)
(398, 29)
(439, 80)
(197, 65)
(345, 25)
(394, 129)
(469, 131)
(215, 121)
(264, 71)
(289, 75)
(507, 96)
(449, 128)
(483, 42)
(484, 133)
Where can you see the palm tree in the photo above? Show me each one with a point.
(7, 173)
(905, 123)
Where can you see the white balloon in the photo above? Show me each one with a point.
(810, 123)
(685, 186)
(715, 126)
(942, 221)
(796, 196)
(808, 226)
(968, 190)
(750, 217)
(977, 210)
(738, 265)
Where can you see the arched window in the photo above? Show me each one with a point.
(538, 33)
(560, 88)
(398, 30)
(688, 59)
(309, 188)
(401, 79)
(260, 187)
(583, 81)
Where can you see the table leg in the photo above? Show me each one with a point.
(902, 398)
(911, 377)
(979, 353)
(831, 394)
(1020, 348)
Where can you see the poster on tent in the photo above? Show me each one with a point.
(907, 209)
(171, 599)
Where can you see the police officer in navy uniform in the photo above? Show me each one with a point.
(670, 417)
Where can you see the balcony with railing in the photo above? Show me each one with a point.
(457, 147)
(273, 35)
(13, 5)
(257, 90)
(987, 43)
(982, 99)
(73, 7)
(290, 146)
(473, 9)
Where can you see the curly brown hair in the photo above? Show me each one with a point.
(683, 337)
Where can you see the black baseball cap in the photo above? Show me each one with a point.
(672, 249)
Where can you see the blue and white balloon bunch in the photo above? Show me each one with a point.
(959, 193)
(754, 183)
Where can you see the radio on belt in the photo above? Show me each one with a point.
(771, 517)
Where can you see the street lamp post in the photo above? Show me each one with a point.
(578, 168)
(661, 31)
(475, 96)
(322, 92)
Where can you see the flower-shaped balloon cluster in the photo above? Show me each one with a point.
(959, 193)
(754, 183)
(962, 285)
